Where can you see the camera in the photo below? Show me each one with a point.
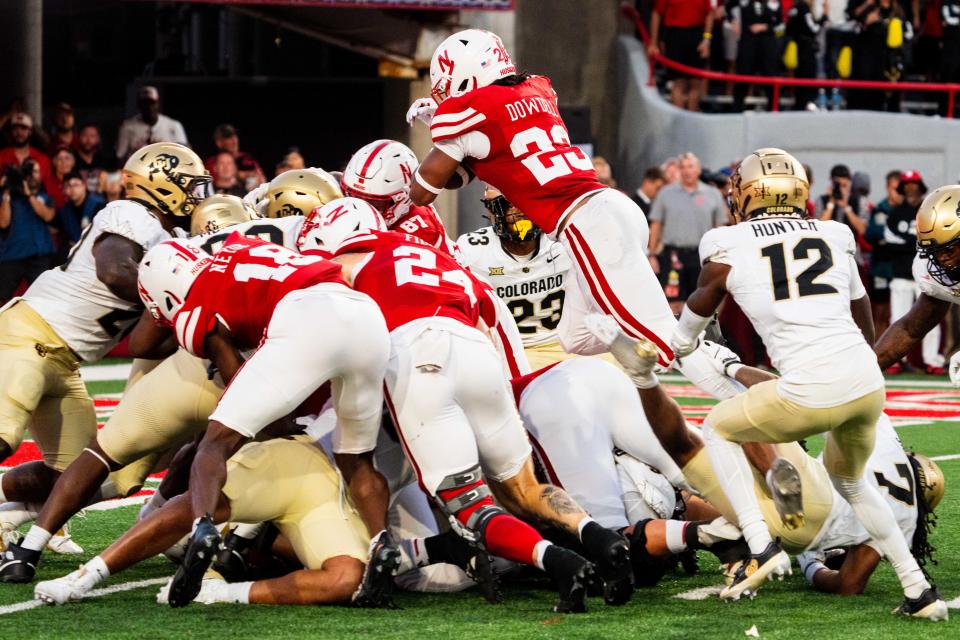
(13, 181)
(837, 193)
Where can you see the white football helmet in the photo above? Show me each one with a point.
(327, 226)
(380, 173)
(468, 60)
(166, 275)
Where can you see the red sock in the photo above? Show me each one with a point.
(510, 538)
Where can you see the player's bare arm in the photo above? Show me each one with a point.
(117, 261)
(852, 577)
(222, 352)
(899, 338)
(151, 340)
(862, 314)
(368, 489)
(433, 174)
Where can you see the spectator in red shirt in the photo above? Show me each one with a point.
(687, 29)
(63, 162)
(21, 128)
(227, 139)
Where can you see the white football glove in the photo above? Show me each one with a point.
(721, 358)
(955, 369)
(256, 198)
(683, 345)
(422, 110)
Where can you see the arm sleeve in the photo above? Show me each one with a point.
(474, 144)
(712, 248)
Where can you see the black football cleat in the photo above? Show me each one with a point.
(574, 575)
(202, 549)
(18, 565)
(376, 587)
(611, 553)
(928, 605)
(231, 563)
(754, 570)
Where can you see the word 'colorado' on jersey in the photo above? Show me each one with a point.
(528, 288)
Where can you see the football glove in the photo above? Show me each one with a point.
(422, 110)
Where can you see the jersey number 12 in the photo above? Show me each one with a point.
(806, 280)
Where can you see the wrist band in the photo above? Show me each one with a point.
(731, 369)
(426, 185)
(811, 570)
(691, 324)
(707, 35)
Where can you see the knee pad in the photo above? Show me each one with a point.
(647, 569)
(467, 500)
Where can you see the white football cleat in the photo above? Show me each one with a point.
(69, 588)
(637, 357)
(63, 543)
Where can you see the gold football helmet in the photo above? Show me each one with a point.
(768, 181)
(168, 177)
(932, 482)
(938, 234)
(219, 212)
(298, 192)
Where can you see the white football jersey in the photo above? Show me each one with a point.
(795, 279)
(931, 287)
(282, 231)
(533, 290)
(889, 470)
(80, 308)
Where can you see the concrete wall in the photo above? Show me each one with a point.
(650, 130)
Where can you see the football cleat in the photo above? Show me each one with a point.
(231, 562)
(637, 357)
(376, 587)
(575, 576)
(611, 553)
(62, 542)
(785, 485)
(753, 571)
(475, 562)
(18, 565)
(928, 605)
(69, 588)
(201, 551)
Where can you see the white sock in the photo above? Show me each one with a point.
(155, 502)
(583, 523)
(239, 592)
(538, 551)
(736, 479)
(877, 518)
(248, 531)
(413, 554)
(36, 538)
(95, 572)
(674, 535)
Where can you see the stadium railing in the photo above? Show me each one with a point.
(778, 82)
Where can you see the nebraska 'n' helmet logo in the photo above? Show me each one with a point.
(446, 64)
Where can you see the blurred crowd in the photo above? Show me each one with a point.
(54, 181)
(682, 201)
(877, 40)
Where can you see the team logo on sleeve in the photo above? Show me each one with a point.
(496, 271)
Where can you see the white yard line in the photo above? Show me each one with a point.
(953, 604)
(952, 456)
(700, 594)
(108, 505)
(96, 593)
(103, 372)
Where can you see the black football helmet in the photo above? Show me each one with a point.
(509, 223)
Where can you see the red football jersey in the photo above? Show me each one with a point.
(242, 287)
(527, 154)
(410, 280)
(425, 224)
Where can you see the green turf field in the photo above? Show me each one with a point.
(782, 610)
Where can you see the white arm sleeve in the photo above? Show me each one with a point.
(856, 286)
(473, 144)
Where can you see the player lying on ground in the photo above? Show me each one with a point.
(143, 427)
(266, 294)
(936, 269)
(453, 410)
(288, 481)
(804, 310)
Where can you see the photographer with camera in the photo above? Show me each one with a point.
(840, 203)
(26, 247)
